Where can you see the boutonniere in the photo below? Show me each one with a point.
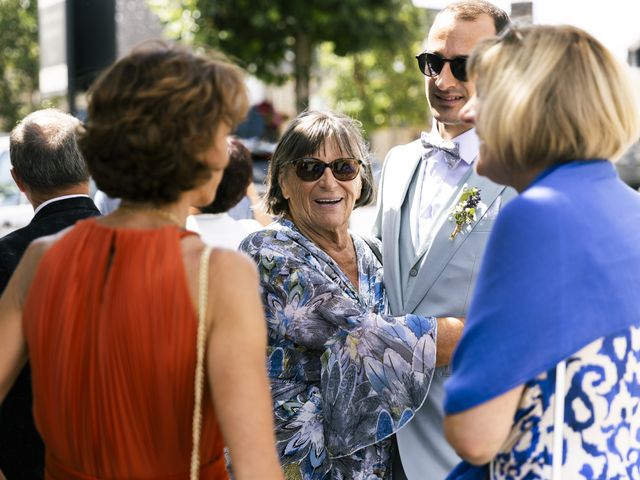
(464, 212)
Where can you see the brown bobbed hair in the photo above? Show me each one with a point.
(150, 117)
(551, 94)
(306, 135)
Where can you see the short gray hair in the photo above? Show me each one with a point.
(44, 151)
(304, 136)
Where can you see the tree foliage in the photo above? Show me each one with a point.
(382, 87)
(270, 36)
(19, 65)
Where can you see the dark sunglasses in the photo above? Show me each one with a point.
(310, 169)
(431, 64)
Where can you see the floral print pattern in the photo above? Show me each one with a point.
(344, 375)
(601, 422)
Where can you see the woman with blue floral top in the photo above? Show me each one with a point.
(344, 376)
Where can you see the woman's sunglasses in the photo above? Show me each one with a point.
(431, 64)
(310, 169)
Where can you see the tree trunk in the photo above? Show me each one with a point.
(359, 78)
(302, 70)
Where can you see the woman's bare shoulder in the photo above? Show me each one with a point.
(233, 262)
(227, 268)
(193, 247)
(25, 271)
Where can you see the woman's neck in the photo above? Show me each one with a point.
(520, 180)
(149, 215)
(338, 244)
(336, 240)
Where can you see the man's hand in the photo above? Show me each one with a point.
(449, 331)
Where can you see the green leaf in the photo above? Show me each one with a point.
(379, 36)
(19, 64)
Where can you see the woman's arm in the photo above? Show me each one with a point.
(236, 366)
(478, 434)
(13, 347)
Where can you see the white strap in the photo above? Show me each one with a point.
(558, 425)
(492, 468)
(558, 422)
(203, 289)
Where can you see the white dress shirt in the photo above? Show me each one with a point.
(437, 181)
(220, 230)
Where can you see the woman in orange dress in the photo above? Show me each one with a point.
(107, 311)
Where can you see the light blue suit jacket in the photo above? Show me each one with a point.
(435, 279)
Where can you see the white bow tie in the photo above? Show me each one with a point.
(450, 149)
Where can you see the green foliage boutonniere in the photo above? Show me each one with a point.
(464, 212)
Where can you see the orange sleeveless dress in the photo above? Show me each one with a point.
(111, 332)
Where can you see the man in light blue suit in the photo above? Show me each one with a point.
(430, 260)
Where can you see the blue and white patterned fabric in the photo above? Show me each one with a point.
(344, 376)
(560, 279)
(601, 431)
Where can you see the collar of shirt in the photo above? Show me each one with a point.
(468, 143)
(436, 183)
(56, 199)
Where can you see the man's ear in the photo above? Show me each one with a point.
(18, 181)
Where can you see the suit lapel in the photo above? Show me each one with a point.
(406, 170)
(440, 251)
(404, 167)
(443, 216)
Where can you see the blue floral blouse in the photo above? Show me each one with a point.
(344, 376)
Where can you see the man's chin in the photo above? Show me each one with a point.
(447, 115)
(450, 120)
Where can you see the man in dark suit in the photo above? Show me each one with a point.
(48, 167)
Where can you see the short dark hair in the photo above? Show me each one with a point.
(235, 180)
(44, 151)
(304, 136)
(150, 117)
(470, 10)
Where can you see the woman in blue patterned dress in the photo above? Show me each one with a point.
(546, 378)
(344, 376)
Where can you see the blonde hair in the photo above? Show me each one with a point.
(550, 94)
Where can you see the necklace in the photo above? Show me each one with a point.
(156, 211)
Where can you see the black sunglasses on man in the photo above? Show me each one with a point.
(431, 64)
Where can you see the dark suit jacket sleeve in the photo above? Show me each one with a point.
(7, 266)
